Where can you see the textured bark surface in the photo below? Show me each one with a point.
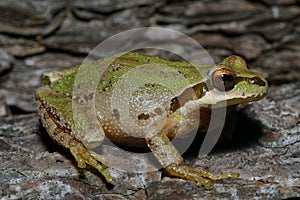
(38, 36)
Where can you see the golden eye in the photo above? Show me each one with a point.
(223, 79)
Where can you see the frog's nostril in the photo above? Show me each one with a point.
(257, 81)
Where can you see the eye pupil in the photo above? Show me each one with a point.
(223, 79)
(226, 78)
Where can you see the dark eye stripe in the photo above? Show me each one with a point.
(253, 80)
(256, 81)
(196, 92)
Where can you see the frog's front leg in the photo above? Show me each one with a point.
(173, 163)
(202, 177)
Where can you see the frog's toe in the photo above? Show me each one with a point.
(229, 175)
(207, 174)
(207, 184)
(99, 157)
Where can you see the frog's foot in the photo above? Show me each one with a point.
(84, 156)
(202, 177)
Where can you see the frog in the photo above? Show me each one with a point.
(163, 104)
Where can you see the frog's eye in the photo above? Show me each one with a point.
(223, 79)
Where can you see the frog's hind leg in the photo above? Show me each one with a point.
(172, 161)
(81, 154)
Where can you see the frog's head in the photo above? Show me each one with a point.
(233, 82)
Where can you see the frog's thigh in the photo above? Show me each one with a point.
(91, 132)
(172, 161)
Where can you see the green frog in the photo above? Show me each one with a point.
(142, 100)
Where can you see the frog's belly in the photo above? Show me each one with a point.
(170, 126)
(127, 141)
(119, 137)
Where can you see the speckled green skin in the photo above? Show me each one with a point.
(154, 117)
